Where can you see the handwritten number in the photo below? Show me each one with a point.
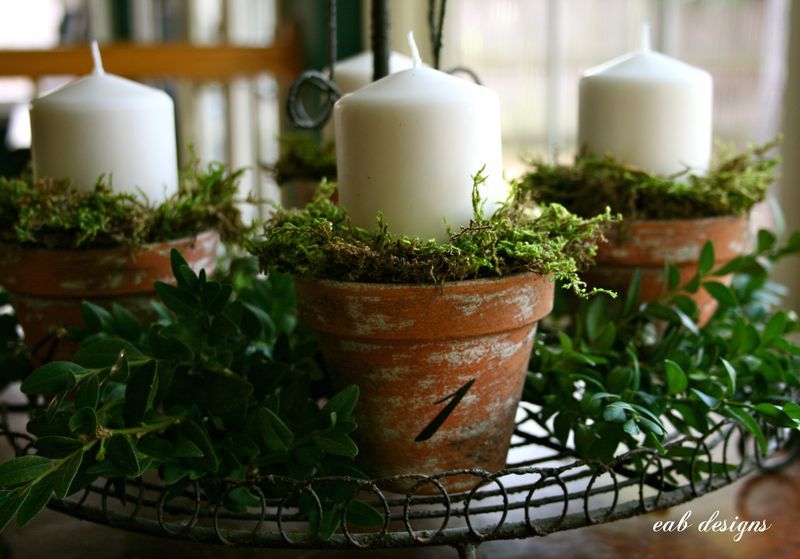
(439, 420)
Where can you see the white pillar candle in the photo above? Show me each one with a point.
(103, 124)
(356, 71)
(408, 144)
(647, 110)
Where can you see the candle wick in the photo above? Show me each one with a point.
(98, 62)
(414, 50)
(646, 37)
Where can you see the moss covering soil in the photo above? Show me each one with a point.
(320, 242)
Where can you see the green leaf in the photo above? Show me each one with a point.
(37, 498)
(601, 395)
(765, 240)
(633, 293)
(619, 379)
(56, 376)
(97, 318)
(775, 328)
(706, 261)
(631, 427)
(184, 448)
(56, 446)
(749, 423)
(177, 261)
(792, 410)
(338, 444)
(693, 284)
(65, 474)
(596, 317)
(23, 469)
(221, 329)
(173, 473)
(121, 453)
(692, 414)
(104, 352)
(84, 421)
(198, 435)
(243, 496)
(730, 380)
(220, 299)
(226, 392)
(750, 339)
(121, 369)
(276, 435)
(676, 378)
(343, 403)
(650, 426)
(167, 347)
(562, 425)
(125, 323)
(10, 503)
(615, 413)
(88, 393)
(178, 300)
(363, 514)
(673, 277)
(653, 441)
(722, 293)
(687, 321)
(139, 394)
(775, 415)
(709, 401)
(187, 279)
(256, 323)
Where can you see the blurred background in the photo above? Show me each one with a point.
(532, 52)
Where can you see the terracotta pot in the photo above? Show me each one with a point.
(649, 245)
(297, 193)
(47, 286)
(441, 371)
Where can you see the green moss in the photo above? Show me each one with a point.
(304, 157)
(733, 185)
(50, 213)
(320, 242)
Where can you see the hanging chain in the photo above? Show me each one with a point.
(436, 29)
(313, 79)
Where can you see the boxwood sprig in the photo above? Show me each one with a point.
(609, 376)
(218, 388)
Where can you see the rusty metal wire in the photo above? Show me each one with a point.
(552, 492)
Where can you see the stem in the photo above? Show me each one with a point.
(141, 430)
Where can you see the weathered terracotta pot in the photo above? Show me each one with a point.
(297, 193)
(441, 371)
(649, 245)
(48, 286)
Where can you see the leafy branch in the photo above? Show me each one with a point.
(219, 387)
(610, 374)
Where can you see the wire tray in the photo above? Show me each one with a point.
(543, 489)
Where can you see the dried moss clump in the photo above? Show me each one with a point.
(320, 242)
(304, 157)
(50, 213)
(732, 186)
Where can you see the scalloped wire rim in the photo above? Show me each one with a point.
(568, 487)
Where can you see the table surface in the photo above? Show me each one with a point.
(773, 498)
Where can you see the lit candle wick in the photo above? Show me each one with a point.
(414, 50)
(98, 62)
(646, 37)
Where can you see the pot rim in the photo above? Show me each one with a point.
(360, 285)
(665, 222)
(119, 248)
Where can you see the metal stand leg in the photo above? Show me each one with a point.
(467, 551)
